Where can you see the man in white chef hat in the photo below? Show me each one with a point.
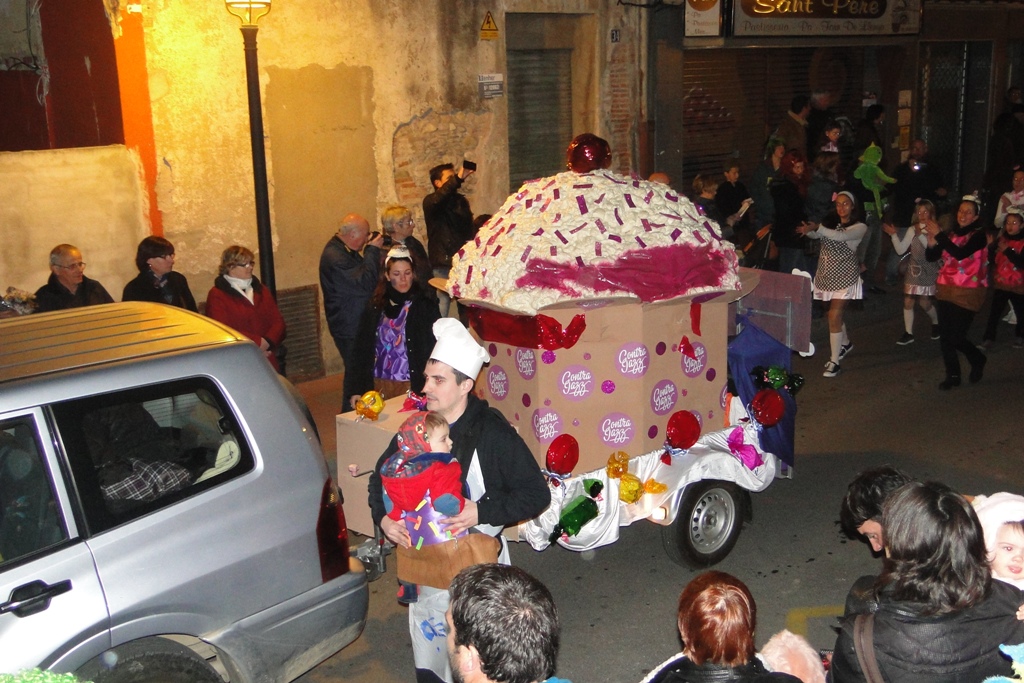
(501, 479)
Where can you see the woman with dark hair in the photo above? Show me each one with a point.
(157, 281)
(960, 288)
(717, 616)
(395, 334)
(935, 614)
(238, 299)
(837, 279)
(789, 191)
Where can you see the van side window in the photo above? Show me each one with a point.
(136, 451)
(29, 521)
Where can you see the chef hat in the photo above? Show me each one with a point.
(457, 348)
(996, 510)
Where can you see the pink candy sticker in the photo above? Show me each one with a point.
(692, 367)
(633, 359)
(576, 382)
(547, 424)
(497, 382)
(616, 429)
(664, 397)
(526, 363)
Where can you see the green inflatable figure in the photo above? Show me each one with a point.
(872, 177)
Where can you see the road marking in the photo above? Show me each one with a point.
(796, 619)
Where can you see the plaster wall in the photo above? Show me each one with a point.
(90, 197)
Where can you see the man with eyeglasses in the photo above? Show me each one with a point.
(68, 287)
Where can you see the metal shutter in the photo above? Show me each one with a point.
(539, 113)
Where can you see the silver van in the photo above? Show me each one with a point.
(166, 513)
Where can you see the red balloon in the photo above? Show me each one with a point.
(767, 407)
(563, 454)
(683, 429)
(587, 152)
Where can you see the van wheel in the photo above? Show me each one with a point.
(708, 524)
(154, 660)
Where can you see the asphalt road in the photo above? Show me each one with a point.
(618, 603)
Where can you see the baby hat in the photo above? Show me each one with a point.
(994, 511)
(456, 347)
(412, 435)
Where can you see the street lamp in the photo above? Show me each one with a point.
(250, 12)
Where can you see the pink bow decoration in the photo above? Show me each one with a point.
(747, 454)
(414, 402)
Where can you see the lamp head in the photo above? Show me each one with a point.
(249, 11)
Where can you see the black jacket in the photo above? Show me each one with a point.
(449, 222)
(516, 489)
(53, 296)
(789, 213)
(952, 648)
(173, 290)
(682, 670)
(347, 279)
(419, 342)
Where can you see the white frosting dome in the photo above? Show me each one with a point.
(596, 235)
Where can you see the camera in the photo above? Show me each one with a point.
(469, 165)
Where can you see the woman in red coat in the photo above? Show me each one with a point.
(238, 300)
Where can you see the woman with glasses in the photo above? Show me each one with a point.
(157, 281)
(239, 300)
(398, 224)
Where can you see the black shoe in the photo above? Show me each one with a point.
(977, 371)
(906, 339)
(935, 332)
(845, 349)
(949, 383)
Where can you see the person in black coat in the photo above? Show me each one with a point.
(157, 281)
(68, 287)
(395, 334)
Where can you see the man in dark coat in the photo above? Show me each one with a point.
(349, 267)
(68, 287)
(449, 222)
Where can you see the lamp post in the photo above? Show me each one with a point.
(250, 12)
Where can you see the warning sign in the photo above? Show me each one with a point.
(488, 30)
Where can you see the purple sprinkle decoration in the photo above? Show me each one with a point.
(660, 348)
(617, 217)
(712, 231)
(493, 350)
(554, 251)
(699, 237)
(496, 250)
(544, 206)
(557, 218)
(600, 225)
(529, 203)
(555, 194)
(700, 211)
(615, 238)
(578, 228)
(526, 400)
(579, 262)
(526, 253)
(671, 197)
(548, 357)
(648, 197)
(538, 232)
(477, 241)
(614, 179)
(582, 203)
(672, 216)
(646, 223)
(676, 233)
(561, 237)
(587, 356)
(652, 432)
(640, 242)
(550, 183)
(629, 200)
(607, 386)
(597, 248)
(599, 199)
(511, 209)
(636, 180)
(583, 186)
(710, 376)
(462, 253)
(469, 273)
(520, 195)
(510, 229)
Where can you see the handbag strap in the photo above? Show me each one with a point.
(864, 646)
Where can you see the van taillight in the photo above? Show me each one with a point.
(332, 534)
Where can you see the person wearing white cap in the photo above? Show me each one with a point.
(501, 478)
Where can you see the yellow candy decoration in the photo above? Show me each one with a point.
(631, 489)
(654, 486)
(618, 464)
(369, 405)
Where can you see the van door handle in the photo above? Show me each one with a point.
(33, 597)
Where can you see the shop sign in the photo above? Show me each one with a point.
(826, 17)
(702, 18)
